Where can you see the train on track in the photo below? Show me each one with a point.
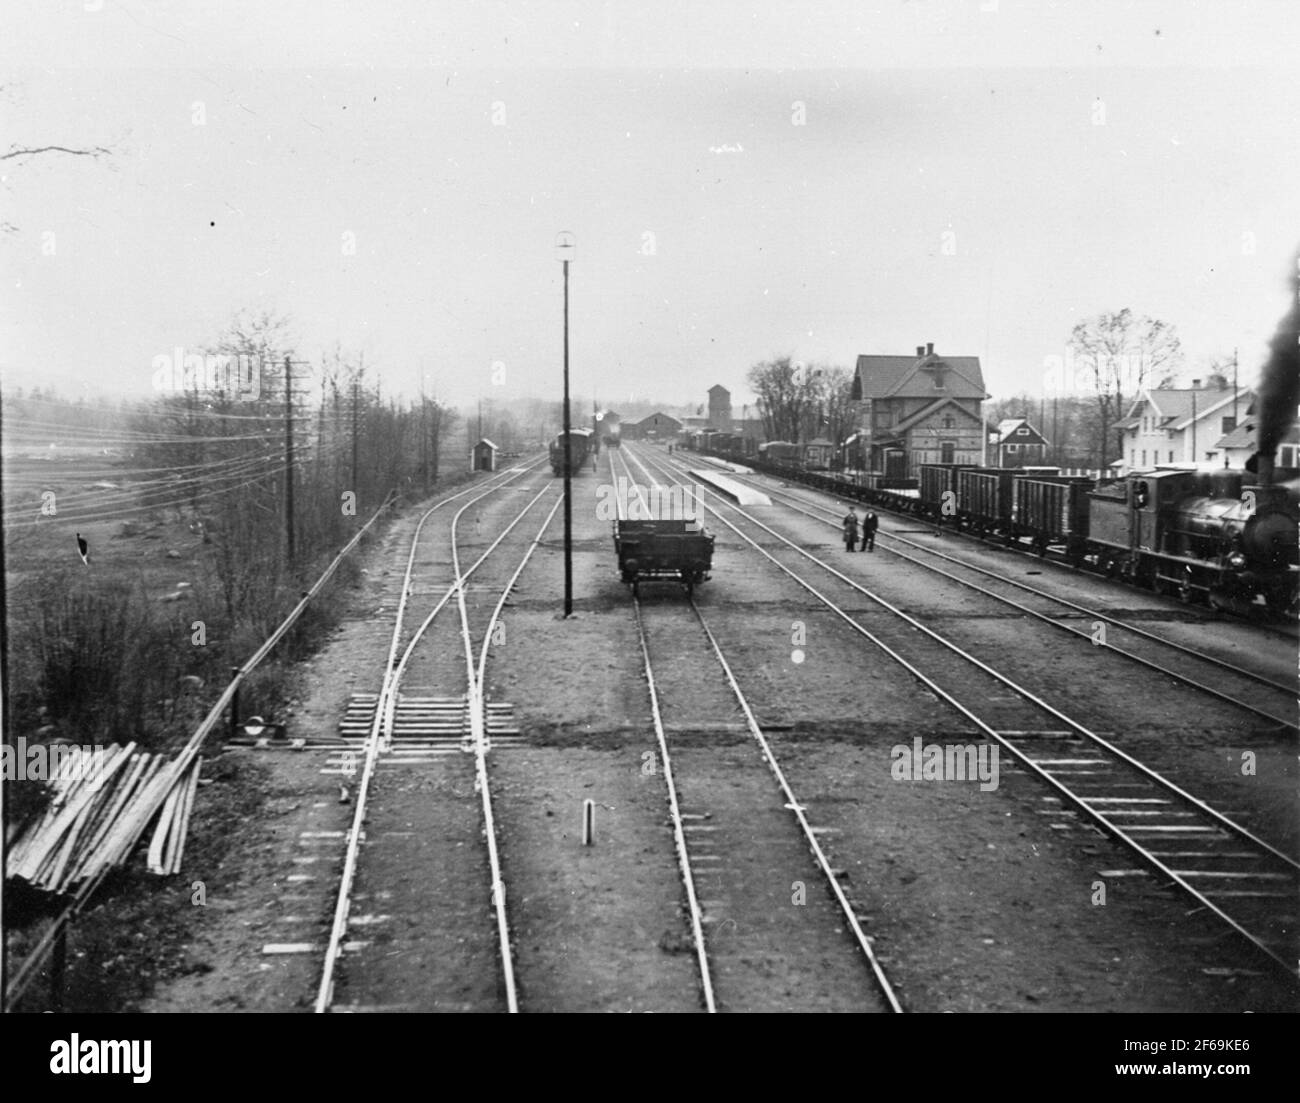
(608, 427)
(1204, 536)
(581, 445)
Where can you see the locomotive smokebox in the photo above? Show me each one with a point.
(1270, 538)
(1268, 498)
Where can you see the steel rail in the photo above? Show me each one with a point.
(1028, 695)
(478, 732)
(25, 973)
(381, 723)
(1105, 824)
(674, 806)
(1067, 603)
(679, 833)
(792, 802)
(769, 756)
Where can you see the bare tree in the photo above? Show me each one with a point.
(831, 390)
(786, 392)
(1119, 353)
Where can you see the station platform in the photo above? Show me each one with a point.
(739, 493)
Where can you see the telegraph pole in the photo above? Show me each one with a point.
(288, 455)
(356, 406)
(565, 245)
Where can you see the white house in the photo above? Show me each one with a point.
(1180, 425)
(1235, 448)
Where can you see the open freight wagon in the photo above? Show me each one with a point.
(654, 550)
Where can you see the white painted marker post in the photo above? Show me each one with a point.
(588, 821)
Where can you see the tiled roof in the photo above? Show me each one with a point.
(1174, 405)
(908, 377)
(1243, 436)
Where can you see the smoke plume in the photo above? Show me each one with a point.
(1279, 384)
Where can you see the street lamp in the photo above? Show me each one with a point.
(565, 247)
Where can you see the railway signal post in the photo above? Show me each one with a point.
(565, 246)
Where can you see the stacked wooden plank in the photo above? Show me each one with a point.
(102, 804)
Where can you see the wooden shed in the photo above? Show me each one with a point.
(484, 456)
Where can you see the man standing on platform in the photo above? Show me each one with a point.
(869, 525)
(850, 529)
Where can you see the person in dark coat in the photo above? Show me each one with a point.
(850, 529)
(869, 525)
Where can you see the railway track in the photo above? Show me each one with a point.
(1245, 882)
(424, 878)
(1195, 668)
(736, 911)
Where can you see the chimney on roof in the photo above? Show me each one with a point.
(1196, 384)
(929, 349)
(920, 351)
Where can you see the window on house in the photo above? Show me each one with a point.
(947, 421)
(1022, 432)
(946, 451)
(1144, 457)
(1171, 455)
(1133, 456)
(1229, 424)
(1013, 447)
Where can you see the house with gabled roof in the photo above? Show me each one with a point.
(1235, 448)
(656, 426)
(1016, 443)
(926, 408)
(1178, 425)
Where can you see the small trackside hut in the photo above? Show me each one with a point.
(484, 456)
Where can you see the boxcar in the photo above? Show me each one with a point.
(670, 550)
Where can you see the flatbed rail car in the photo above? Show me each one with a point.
(663, 550)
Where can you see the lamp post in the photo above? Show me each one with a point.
(565, 247)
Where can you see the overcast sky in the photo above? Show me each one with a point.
(744, 180)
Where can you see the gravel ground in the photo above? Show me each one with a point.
(976, 900)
